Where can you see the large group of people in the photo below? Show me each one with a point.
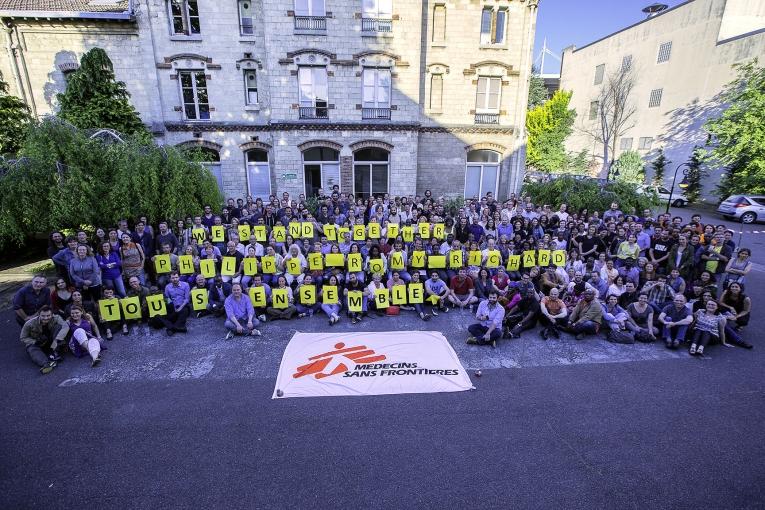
(628, 276)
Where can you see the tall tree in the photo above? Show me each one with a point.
(548, 126)
(738, 135)
(659, 164)
(537, 89)
(15, 120)
(695, 174)
(95, 99)
(614, 112)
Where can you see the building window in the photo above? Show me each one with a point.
(436, 92)
(246, 17)
(665, 50)
(594, 107)
(321, 169)
(376, 16)
(626, 62)
(493, 23)
(370, 172)
(645, 142)
(488, 94)
(625, 144)
(314, 93)
(599, 72)
(258, 173)
(196, 105)
(184, 15)
(208, 157)
(251, 87)
(375, 93)
(310, 15)
(655, 99)
(481, 173)
(439, 23)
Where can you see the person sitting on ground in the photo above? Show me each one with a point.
(484, 284)
(376, 284)
(136, 289)
(332, 309)
(217, 294)
(708, 326)
(437, 292)
(306, 309)
(659, 293)
(110, 327)
(522, 316)
(461, 290)
(614, 315)
(675, 318)
(354, 284)
(640, 319)
(553, 314)
(85, 338)
(418, 307)
(240, 314)
(282, 313)
(490, 316)
(178, 306)
(61, 296)
(42, 335)
(30, 298)
(735, 305)
(586, 316)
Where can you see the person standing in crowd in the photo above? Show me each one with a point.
(42, 335)
(132, 258)
(111, 268)
(85, 273)
(490, 316)
(63, 257)
(30, 298)
(240, 314)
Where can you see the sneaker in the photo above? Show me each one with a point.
(471, 340)
(445, 309)
(692, 350)
(555, 332)
(301, 315)
(262, 317)
(229, 335)
(493, 344)
(544, 334)
(48, 367)
(125, 330)
(354, 320)
(579, 336)
(199, 314)
(700, 350)
(255, 332)
(426, 318)
(434, 312)
(96, 361)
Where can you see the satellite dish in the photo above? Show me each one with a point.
(654, 9)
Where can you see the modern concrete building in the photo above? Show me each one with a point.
(682, 59)
(377, 96)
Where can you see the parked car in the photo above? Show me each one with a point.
(744, 208)
(678, 198)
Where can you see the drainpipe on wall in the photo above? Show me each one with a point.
(7, 28)
(154, 61)
(18, 50)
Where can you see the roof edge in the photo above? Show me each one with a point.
(119, 16)
(662, 13)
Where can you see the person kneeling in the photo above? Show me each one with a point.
(239, 310)
(489, 328)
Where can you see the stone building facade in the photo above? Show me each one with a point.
(376, 96)
(682, 57)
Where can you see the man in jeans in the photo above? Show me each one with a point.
(239, 311)
(490, 315)
(675, 319)
(178, 308)
(586, 317)
(41, 335)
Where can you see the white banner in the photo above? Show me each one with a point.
(360, 363)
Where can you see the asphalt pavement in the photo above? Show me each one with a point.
(188, 422)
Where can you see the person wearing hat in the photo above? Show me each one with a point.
(587, 316)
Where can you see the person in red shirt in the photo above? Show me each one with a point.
(461, 290)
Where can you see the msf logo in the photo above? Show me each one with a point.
(318, 365)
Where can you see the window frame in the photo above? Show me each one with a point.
(600, 72)
(487, 94)
(377, 87)
(259, 164)
(242, 18)
(442, 34)
(370, 165)
(247, 88)
(627, 62)
(654, 99)
(441, 93)
(482, 165)
(645, 143)
(664, 53)
(594, 109)
(310, 11)
(376, 12)
(322, 172)
(493, 37)
(315, 101)
(625, 143)
(185, 17)
(195, 92)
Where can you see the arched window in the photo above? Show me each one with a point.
(321, 167)
(371, 167)
(482, 173)
(258, 173)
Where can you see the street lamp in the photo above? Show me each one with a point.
(682, 184)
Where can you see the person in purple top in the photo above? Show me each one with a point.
(111, 269)
(177, 293)
(240, 315)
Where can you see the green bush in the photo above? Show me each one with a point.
(64, 179)
(580, 193)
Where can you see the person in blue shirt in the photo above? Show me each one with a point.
(177, 293)
(490, 315)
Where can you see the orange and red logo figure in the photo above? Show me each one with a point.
(319, 363)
